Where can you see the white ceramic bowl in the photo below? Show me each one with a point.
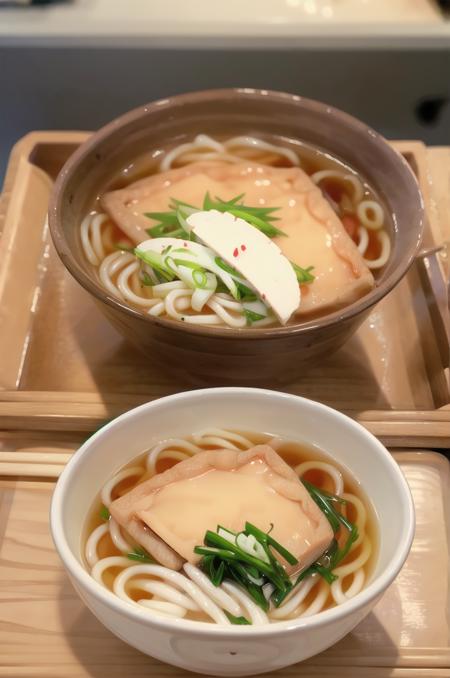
(208, 648)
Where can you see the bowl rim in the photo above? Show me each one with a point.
(102, 595)
(90, 284)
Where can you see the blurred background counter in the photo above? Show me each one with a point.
(75, 65)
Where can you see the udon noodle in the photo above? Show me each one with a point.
(110, 252)
(189, 593)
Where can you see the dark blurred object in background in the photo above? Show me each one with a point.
(429, 110)
(26, 3)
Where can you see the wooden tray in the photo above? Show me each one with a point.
(66, 368)
(46, 631)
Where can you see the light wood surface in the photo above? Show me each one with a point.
(68, 369)
(13, 469)
(45, 630)
(34, 457)
(54, 411)
(32, 463)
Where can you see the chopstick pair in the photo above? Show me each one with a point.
(32, 464)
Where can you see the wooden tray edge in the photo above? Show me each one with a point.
(88, 411)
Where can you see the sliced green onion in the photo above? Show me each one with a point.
(218, 574)
(233, 201)
(207, 202)
(252, 317)
(175, 204)
(226, 534)
(265, 537)
(324, 506)
(104, 513)
(155, 261)
(146, 280)
(262, 225)
(214, 540)
(188, 264)
(252, 547)
(184, 250)
(124, 248)
(226, 267)
(304, 275)
(165, 230)
(214, 551)
(163, 217)
(237, 620)
(174, 222)
(181, 216)
(342, 553)
(199, 278)
(171, 265)
(245, 293)
(140, 555)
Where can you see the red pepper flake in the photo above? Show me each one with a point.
(236, 252)
(185, 244)
(263, 296)
(243, 248)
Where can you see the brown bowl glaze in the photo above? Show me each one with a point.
(223, 355)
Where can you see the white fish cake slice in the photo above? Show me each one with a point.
(258, 259)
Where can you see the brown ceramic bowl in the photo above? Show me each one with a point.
(223, 355)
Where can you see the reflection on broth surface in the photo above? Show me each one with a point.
(146, 243)
(217, 527)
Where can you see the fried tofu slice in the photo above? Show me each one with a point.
(227, 488)
(315, 236)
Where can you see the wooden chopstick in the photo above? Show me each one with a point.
(30, 470)
(52, 458)
(32, 464)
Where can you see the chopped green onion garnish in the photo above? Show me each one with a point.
(124, 248)
(333, 554)
(237, 620)
(175, 204)
(230, 555)
(164, 230)
(207, 202)
(264, 537)
(173, 222)
(226, 267)
(253, 317)
(245, 293)
(184, 250)
(218, 573)
(140, 555)
(235, 200)
(304, 275)
(163, 217)
(214, 540)
(261, 224)
(146, 280)
(156, 262)
(199, 278)
(188, 264)
(104, 513)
